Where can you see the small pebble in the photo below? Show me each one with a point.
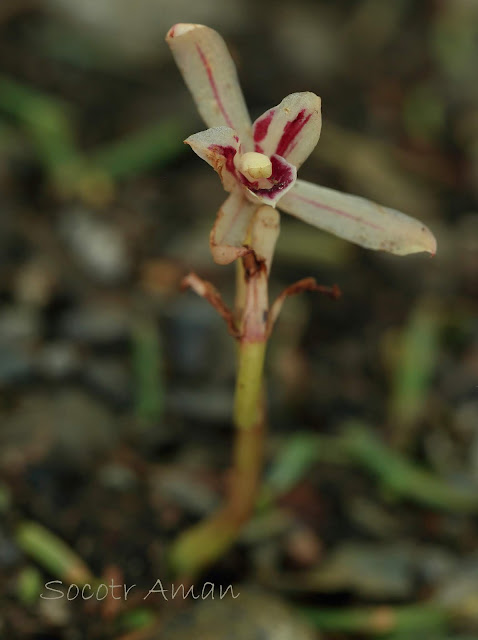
(252, 614)
(96, 323)
(34, 283)
(97, 244)
(57, 360)
(19, 323)
(16, 364)
(111, 378)
(303, 547)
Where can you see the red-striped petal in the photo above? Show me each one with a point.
(358, 220)
(291, 130)
(210, 74)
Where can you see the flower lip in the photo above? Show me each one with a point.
(270, 190)
(262, 179)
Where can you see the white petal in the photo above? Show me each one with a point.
(228, 236)
(210, 74)
(265, 229)
(218, 147)
(358, 220)
(292, 129)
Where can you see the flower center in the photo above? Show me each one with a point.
(254, 165)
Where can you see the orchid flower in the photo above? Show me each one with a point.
(258, 162)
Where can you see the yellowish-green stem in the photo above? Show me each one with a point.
(247, 403)
(201, 545)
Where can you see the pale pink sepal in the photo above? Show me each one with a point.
(210, 74)
(265, 229)
(218, 147)
(292, 129)
(228, 236)
(358, 220)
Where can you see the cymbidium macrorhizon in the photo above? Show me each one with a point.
(257, 163)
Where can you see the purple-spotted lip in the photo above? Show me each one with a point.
(282, 179)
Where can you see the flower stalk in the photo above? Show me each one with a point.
(247, 397)
(203, 543)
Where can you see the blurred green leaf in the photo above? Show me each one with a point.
(29, 585)
(357, 445)
(49, 125)
(417, 348)
(402, 477)
(52, 553)
(46, 120)
(137, 619)
(147, 364)
(380, 620)
(294, 459)
(155, 145)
